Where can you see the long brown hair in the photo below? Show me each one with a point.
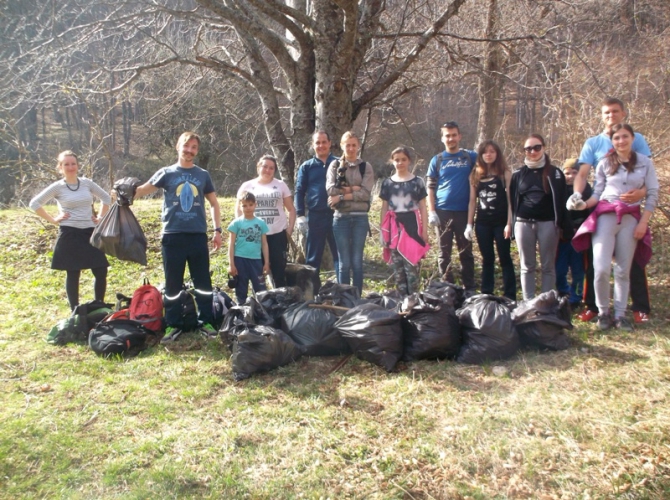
(497, 168)
(547, 161)
(612, 157)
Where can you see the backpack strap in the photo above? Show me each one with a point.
(466, 155)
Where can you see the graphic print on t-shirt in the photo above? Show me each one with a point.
(187, 194)
(267, 205)
(251, 234)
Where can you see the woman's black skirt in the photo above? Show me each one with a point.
(73, 251)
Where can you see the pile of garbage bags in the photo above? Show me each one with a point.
(277, 327)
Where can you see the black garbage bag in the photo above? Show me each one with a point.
(276, 301)
(338, 295)
(314, 329)
(388, 300)
(125, 190)
(453, 295)
(488, 331)
(431, 330)
(249, 313)
(119, 234)
(542, 321)
(373, 333)
(259, 348)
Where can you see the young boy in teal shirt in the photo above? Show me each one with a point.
(248, 249)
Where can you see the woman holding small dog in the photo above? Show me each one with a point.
(349, 184)
(273, 202)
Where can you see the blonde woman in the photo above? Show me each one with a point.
(74, 197)
(349, 183)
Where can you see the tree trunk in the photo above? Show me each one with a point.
(490, 80)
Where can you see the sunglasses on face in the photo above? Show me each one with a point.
(536, 148)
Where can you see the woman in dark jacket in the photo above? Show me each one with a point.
(537, 192)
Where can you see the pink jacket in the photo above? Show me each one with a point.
(396, 238)
(582, 239)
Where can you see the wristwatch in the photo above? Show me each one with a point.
(341, 197)
(218, 230)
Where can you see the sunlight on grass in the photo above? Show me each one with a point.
(589, 422)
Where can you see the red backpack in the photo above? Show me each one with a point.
(146, 306)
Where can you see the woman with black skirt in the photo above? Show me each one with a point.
(76, 220)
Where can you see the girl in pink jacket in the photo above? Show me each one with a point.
(404, 229)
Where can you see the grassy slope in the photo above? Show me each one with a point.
(589, 422)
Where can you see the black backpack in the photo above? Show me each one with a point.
(76, 327)
(189, 309)
(119, 336)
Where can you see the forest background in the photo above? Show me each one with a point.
(117, 83)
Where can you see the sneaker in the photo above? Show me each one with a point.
(604, 322)
(209, 331)
(623, 324)
(587, 316)
(172, 333)
(640, 317)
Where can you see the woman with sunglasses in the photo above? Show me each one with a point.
(618, 228)
(537, 194)
(273, 202)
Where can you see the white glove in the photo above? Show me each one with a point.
(575, 202)
(468, 232)
(433, 219)
(301, 224)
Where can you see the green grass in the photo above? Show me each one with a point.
(589, 422)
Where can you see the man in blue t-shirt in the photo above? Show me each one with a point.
(595, 148)
(184, 235)
(448, 187)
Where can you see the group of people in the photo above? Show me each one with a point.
(465, 193)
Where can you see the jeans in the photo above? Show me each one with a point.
(320, 232)
(452, 224)
(179, 249)
(486, 236)
(613, 239)
(568, 259)
(248, 270)
(350, 234)
(639, 288)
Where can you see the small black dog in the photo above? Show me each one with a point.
(341, 177)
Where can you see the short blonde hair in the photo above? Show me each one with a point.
(187, 136)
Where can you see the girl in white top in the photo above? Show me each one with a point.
(274, 205)
(76, 220)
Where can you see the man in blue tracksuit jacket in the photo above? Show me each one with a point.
(310, 195)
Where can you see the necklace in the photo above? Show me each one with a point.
(68, 186)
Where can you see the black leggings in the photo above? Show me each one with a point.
(72, 285)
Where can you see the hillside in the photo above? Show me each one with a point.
(589, 422)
